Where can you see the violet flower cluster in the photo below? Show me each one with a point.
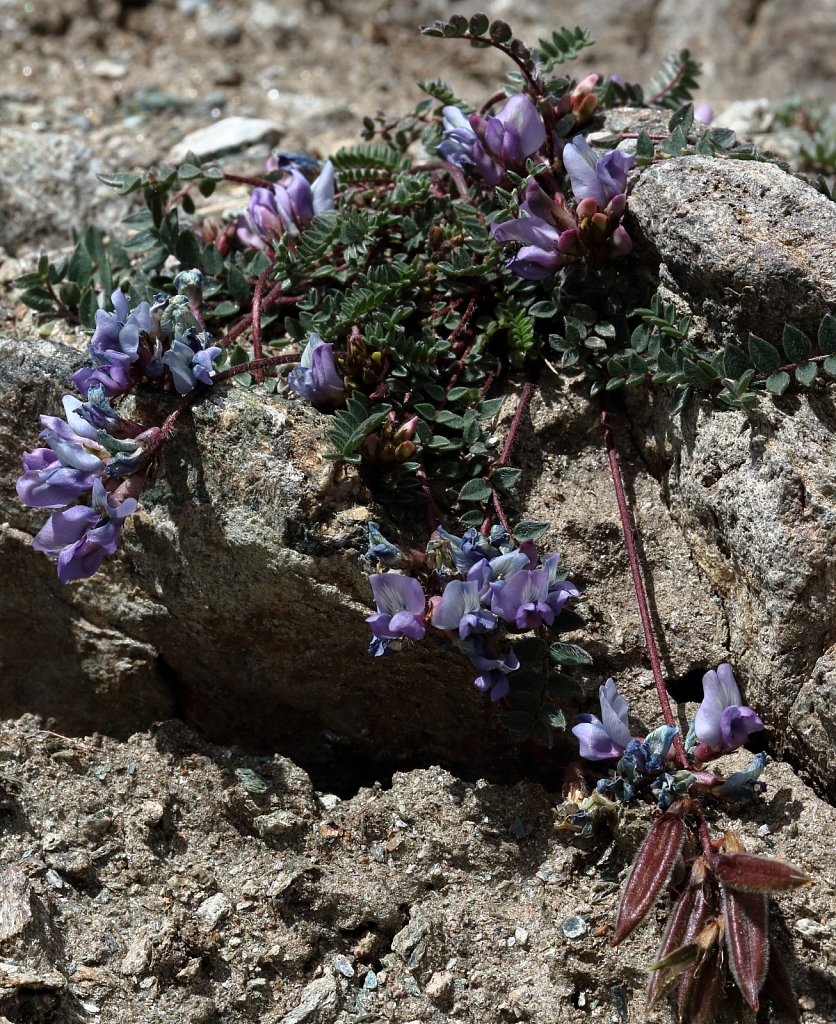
(93, 452)
(492, 145)
(489, 587)
(551, 233)
(722, 725)
(288, 207)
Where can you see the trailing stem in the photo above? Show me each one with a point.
(628, 531)
(522, 405)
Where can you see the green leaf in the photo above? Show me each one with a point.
(69, 293)
(38, 299)
(187, 249)
(806, 373)
(185, 172)
(505, 477)
(80, 267)
(225, 309)
(796, 344)
(827, 336)
(500, 31)
(239, 286)
(475, 490)
(830, 366)
(87, 307)
(530, 529)
(212, 261)
(683, 118)
(472, 518)
(680, 399)
(777, 383)
(735, 362)
(722, 138)
(126, 183)
(490, 408)
(698, 374)
(764, 355)
(569, 654)
(645, 150)
(555, 718)
(479, 24)
(142, 241)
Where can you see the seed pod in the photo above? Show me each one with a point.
(707, 986)
(747, 872)
(703, 979)
(651, 869)
(687, 918)
(747, 940)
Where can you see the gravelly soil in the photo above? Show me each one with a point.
(164, 879)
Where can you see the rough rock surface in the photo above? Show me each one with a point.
(746, 245)
(754, 494)
(164, 879)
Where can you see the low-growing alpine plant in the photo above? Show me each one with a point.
(399, 289)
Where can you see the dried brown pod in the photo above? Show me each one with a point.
(651, 869)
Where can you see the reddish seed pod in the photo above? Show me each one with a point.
(687, 919)
(747, 940)
(651, 869)
(747, 872)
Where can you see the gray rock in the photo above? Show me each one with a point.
(746, 245)
(213, 911)
(48, 187)
(320, 995)
(226, 136)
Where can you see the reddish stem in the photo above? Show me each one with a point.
(628, 529)
(243, 180)
(522, 405)
(256, 321)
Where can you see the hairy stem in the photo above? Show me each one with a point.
(628, 531)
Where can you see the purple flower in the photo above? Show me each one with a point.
(317, 378)
(494, 673)
(113, 378)
(81, 536)
(461, 147)
(539, 230)
(117, 335)
(722, 724)
(461, 609)
(608, 736)
(289, 206)
(515, 133)
(400, 607)
(493, 144)
(47, 483)
(596, 177)
(525, 601)
(190, 360)
(704, 112)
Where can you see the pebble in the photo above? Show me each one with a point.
(110, 69)
(213, 910)
(343, 965)
(225, 136)
(575, 927)
(370, 982)
(329, 801)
